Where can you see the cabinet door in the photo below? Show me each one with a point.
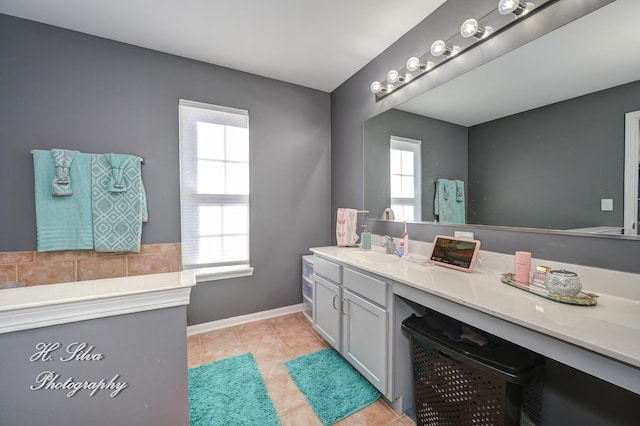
(365, 327)
(326, 311)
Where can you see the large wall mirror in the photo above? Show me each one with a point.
(537, 138)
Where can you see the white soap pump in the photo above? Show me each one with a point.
(365, 238)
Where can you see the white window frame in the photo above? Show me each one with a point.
(412, 145)
(190, 113)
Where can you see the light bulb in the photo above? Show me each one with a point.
(414, 63)
(439, 47)
(471, 28)
(393, 77)
(505, 7)
(376, 87)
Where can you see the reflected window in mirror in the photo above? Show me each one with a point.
(406, 186)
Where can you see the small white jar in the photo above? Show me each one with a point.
(563, 283)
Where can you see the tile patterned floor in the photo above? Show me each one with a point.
(272, 342)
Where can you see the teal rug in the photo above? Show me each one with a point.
(332, 387)
(230, 392)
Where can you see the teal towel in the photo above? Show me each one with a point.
(459, 210)
(119, 163)
(448, 202)
(117, 216)
(442, 203)
(61, 185)
(63, 223)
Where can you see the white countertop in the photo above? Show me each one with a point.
(44, 305)
(611, 328)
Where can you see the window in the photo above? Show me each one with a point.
(406, 186)
(214, 189)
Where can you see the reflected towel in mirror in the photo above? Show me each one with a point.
(388, 214)
(448, 202)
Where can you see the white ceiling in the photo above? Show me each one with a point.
(317, 44)
(322, 44)
(598, 51)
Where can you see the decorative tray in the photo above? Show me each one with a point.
(580, 299)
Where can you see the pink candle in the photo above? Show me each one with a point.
(523, 266)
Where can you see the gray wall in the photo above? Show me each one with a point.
(443, 155)
(537, 150)
(572, 397)
(69, 90)
(152, 364)
(352, 104)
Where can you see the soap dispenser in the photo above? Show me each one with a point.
(405, 242)
(365, 238)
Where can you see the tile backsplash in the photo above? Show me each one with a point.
(37, 268)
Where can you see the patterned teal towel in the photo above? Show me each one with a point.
(459, 210)
(118, 163)
(63, 223)
(117, 216)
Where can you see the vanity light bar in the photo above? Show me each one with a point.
(472, 31)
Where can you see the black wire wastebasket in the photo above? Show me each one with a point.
(458, 382)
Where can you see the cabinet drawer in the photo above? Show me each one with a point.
(307, 266)
(327, 269)
(307, 309)
(369, 287)
(307, 288)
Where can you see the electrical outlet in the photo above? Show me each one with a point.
(463, 234)
(606, 204)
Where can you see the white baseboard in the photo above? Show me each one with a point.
(242, 319)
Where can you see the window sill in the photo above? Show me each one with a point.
(222, 273)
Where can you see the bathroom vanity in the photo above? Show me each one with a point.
(104, 352)
(601, 340)
(351, 313)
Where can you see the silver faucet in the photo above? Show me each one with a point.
(389, 245)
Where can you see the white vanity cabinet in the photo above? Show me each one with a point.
(350, 312)
(365, 326)
(327, 279)
(600, 341)
(326, 311)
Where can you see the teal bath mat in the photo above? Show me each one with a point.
(230, 392)
(333, 388)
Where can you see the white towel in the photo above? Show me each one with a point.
(346, 225)
(388, 214)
